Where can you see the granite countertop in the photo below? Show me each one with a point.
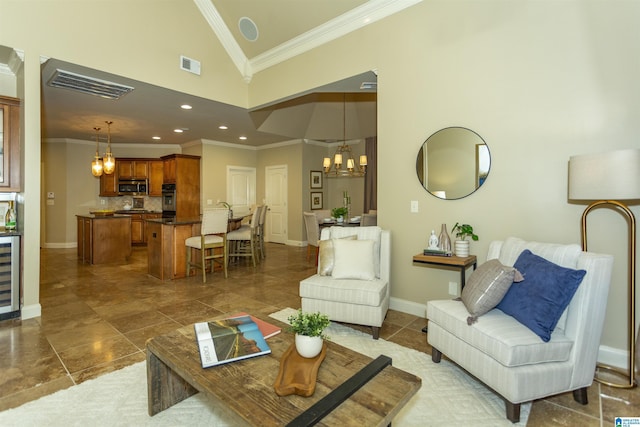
(136, 211)
(176, 221)
(93, 216)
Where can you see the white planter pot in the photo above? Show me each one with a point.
(462, 248)
(308, 347)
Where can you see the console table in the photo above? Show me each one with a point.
(448, 261)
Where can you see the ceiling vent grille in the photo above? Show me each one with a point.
(89, 85)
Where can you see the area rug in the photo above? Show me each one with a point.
(448, 395)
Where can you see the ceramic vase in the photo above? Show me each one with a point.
(340, 220)
(444, 240)
(308, 347)
(462, 248)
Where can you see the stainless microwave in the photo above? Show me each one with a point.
(132, 187)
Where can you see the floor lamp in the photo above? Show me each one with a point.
(605, 179)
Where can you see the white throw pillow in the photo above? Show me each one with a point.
(353, 259)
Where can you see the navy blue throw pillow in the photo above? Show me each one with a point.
(540, 299)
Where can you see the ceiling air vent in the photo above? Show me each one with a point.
(90, 85)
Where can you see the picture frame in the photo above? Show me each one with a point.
(316, 200)
(316, 179)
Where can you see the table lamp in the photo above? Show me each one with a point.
(605, 179)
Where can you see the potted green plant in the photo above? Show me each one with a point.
(461, 245)
(309, 329)
(339, 213)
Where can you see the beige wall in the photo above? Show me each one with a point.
(539, 81)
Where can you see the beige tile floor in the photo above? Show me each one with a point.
(96, 319)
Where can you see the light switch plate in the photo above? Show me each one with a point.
(51, 195)
(414, 206)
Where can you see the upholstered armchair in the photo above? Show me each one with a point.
(556, 352)
(352, 281)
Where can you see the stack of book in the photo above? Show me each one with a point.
(436, 252)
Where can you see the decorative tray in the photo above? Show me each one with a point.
(298, 374)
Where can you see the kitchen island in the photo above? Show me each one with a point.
(166, 251)
(104, 238)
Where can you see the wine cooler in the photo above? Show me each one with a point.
(9, 277)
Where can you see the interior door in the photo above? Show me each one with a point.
(241, 188)
(276, 200)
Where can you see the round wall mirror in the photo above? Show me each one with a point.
(453, 163)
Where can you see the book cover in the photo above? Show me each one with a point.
(268, 330)
(228, 340)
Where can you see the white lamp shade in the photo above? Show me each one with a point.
(326, 162)
(363, 160)
(338, 159)
(614, 175)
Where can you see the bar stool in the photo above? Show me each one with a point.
(213, 235)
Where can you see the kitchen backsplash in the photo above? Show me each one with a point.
(117, 203)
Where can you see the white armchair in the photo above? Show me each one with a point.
(356, 289)
(510, 358)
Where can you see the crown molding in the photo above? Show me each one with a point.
(354, 19)
(213, 18)
(367, 13)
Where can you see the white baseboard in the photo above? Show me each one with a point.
(297, 243)
(30, 311)
(613, 357)
(408, 307)
(606, 355)
(67, 245)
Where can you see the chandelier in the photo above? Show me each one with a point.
(96, 166)
(344, 156)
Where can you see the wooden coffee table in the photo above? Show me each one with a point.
(245, 389)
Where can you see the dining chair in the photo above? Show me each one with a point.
(369, 219)
(212, 238)
(313, 234)
(244, 241)
(263, 216)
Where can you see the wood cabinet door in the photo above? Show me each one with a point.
(155, 178)
(124, 169)
(169, 170)
(140, 169)
(10, 144)
(137, 229)
(108, 185)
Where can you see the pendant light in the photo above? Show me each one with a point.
(109, 160)
(96, 165)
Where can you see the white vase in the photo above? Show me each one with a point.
(308, 347)
(340, 220)
(462, 248)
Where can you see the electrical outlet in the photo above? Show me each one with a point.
(103, 202)
(209, 202)
(414, 206)
(453, 288)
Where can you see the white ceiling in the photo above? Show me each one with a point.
(284, 28)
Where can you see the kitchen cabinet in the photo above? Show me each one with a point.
(184, 171)
(103, 239)
(10, 144)
(155, 178)
(133, 169)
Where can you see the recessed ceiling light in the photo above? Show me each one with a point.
(223, 127)
(186, 107)
(155, 137)
(178, 130)
(243, 138)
